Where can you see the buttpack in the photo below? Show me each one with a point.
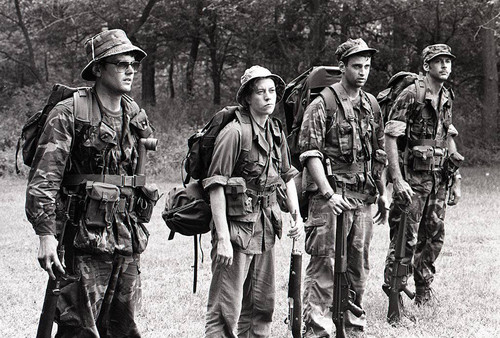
(395, 86)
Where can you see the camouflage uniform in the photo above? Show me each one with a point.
(60, 192)
(242, 296)
(355, 164)
(425, 226)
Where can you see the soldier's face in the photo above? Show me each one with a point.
(263, 98)
(356, 70)
(439, 68)
(113, 77)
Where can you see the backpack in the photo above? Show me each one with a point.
(298, 94)
(395, 86)
(33, 128)
(187, 210)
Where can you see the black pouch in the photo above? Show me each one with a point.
(100, 204)
(145, 202)
(140, 237)
(238, 203)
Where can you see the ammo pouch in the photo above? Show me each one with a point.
(238, 203)
(427, 158)
(100, 204)
(147, 196)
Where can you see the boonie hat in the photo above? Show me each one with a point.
(260, 72)
(353, 46)
(107, 43)
(430, 52)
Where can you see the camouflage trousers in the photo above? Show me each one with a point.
(102, 303)
(424, 233)
(320, 244)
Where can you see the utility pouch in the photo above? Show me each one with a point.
(452, 163)
(423, 158)
(140, 237)
(100, 204)
(141, 124)
(238, 203)
(147, 196)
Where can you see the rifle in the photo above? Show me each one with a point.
(294, 319)
(399, 274)
(54, 286)
(343, 296)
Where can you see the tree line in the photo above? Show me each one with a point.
(198, 49)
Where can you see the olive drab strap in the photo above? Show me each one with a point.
(246, 130)
(349, 115)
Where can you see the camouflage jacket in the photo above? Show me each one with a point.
(68, 147)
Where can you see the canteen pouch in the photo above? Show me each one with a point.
(140, 237)
(147, 196)
(452, 163)
(238, 203)
(100, 204)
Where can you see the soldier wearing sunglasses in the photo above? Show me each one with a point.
(83, 179)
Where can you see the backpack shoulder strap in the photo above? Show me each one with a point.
(420, 88)
(330, 100)
(86, 108)
(246, 129)
(133, 106)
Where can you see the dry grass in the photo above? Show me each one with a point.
(467, 280)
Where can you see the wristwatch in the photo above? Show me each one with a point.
(328, 195)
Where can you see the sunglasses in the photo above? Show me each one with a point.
(122, 66)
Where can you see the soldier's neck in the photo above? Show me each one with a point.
(352, 91)
(433, 86)
(111, 100)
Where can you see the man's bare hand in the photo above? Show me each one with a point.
(455, 193)
(338, 204)
(382, 214)
(47, 255)
(297, 230)
(224, 254)
(403, 191)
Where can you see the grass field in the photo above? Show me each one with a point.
(467, 281)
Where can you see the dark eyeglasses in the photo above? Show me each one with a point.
(122, 66)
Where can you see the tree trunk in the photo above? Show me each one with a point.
(193, 51)
(171, 78)
(148, 76)
(489, 118)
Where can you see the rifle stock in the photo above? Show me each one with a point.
(343, 296)
(294, 319)
(399, 273)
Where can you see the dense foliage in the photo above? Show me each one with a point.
(198, 49)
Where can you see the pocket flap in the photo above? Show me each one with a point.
(235, 185)
(103, 191)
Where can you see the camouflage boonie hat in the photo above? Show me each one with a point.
(260, 72)
(353, 46)
(107, 43)
(430, 52)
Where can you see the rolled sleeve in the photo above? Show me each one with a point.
(308, 154)
(214, 180)
(395, 128)
(452, 131)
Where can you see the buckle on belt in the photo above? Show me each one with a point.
(128, 181)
